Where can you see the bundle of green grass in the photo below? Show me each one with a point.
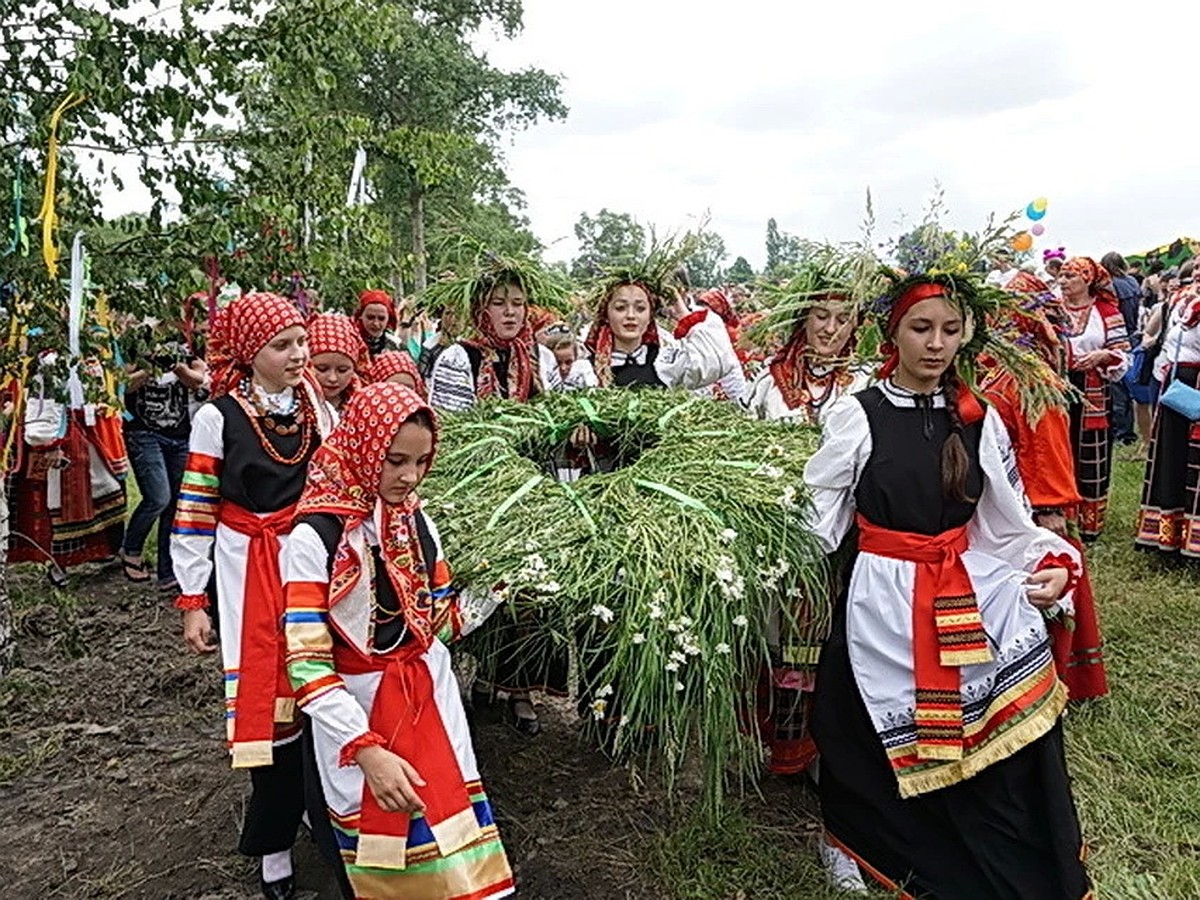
(664, 571)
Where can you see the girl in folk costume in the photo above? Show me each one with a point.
(937, 704)
(377, 321)
(1097, 354)
(1169, 518)
(627, 349)
(338, 356)
(1041, 441)
(733, 384)
(369, 607)
(499, 358)
(398, 368)
(250, 446)
(799, 385)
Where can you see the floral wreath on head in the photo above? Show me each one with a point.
(939, 263)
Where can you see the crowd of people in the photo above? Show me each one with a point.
(279, 453)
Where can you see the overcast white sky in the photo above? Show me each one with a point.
(764, 108)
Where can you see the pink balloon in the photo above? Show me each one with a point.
(1039, 229)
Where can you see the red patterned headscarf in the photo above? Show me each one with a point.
(1098, 280)
(336, 333)
(242, 329)
(524, 375)
(599, 341)
(397, 362)
(343, 480)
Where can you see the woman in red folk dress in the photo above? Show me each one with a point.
(248, 455)
(1041, 441)
(1097, 347)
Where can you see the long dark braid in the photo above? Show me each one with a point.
(956, 464)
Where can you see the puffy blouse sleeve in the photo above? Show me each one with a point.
(700, 356)
(1001, 526)
(832, 473)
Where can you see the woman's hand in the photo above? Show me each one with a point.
(1096, 359)
(1044, 587)
(392, 779)
(198, 631)
(582, 436)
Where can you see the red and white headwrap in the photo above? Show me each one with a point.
(969, 408)
(397, 362)
(336, 333)
(343, 480)
(524, 374)
(241, 330)
(380, 298)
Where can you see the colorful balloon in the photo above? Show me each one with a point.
(1022, 242)
(1038, 230)
(1034, 214)
(1040, 204)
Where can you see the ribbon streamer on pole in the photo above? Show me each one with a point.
(48, 215)
(354, 195)
(75, 322)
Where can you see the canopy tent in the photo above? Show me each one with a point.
(1172, 254)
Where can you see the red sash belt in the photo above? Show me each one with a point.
(264, 694)
(405, 714)
(947, 629)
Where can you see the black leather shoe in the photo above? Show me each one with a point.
(526, 726)
(283, 889)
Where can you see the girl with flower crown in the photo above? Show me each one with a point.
(247, 458)
(369, 610)
(937, 704)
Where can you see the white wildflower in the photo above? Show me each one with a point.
(691, 648)
(686, 621)
(605, 691)
(672, 667)
(760, 551)
(724, 648)
(725, 569)
(677, 657)
(728, 535)
(675, 627)
(788, 498)
(598, 708)
(550, 587)
(678, 686)
(740, 621)
(656, 611)
(769, 471)
(638, 638)
(660, 596)
(625, 720)
(776, 450)
(603, 613)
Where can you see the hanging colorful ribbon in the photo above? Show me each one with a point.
(20, 238)
(48, 216)
(75, 322)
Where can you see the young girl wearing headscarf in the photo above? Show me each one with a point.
(338, 357)
(370, 608)
(248, 454)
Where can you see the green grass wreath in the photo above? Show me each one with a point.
(669, 567)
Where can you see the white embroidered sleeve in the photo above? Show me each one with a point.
(832, 473)
(698, 359)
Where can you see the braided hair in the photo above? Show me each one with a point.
(956, 463)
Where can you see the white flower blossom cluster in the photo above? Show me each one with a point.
(729, 580)
(728, 536)
(535, 573)
(771, 576)
(768, 471)
(788, 498)
(603, 613)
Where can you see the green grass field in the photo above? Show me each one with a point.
(1135, 755)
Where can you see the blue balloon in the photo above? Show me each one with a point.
(1032, 214)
